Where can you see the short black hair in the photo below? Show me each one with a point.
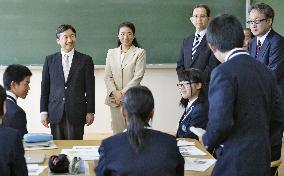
(264, 9)
(62, 28)
(2, 100)
(201, 6)
(132, 27)
(225, 32)
(16, 73)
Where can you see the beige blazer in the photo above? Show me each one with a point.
(122, 76)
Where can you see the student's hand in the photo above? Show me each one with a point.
(44, 120)
(90, 118)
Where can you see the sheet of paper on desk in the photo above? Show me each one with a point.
(190, 150)
(35, 169)
(39, 145)
(84, 154)
(197, 164)
(184, 143)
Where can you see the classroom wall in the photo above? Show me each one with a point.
(161, 80)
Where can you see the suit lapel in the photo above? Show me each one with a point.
(253, 48)
(59, 67)
(264, 47)
(74, 65)
(189, 51)
(128, 56)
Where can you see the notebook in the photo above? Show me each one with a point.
(34, 158)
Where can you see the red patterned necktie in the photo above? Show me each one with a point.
(257, 48)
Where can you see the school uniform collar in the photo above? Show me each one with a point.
(11, 96)
(234, 51)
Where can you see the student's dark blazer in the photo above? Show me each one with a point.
(203, 59)
(198, 117)
(160, 156)
(15, 117)
(76, 96)
(12, 161)
(272, 55)
(245, 108)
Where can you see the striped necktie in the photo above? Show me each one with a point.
(195, 45)
(66, 67)
(257, 48)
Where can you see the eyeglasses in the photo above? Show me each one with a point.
(200, 16)
(257, 21)
(184, 85)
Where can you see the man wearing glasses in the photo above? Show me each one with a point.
(194, 51)
(268, 48)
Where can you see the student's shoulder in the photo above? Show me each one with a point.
(161, 135)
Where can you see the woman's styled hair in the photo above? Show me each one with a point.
(191, 75)
(138, 105)
(132, 27)
(2, 100)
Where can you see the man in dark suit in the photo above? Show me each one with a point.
(195, 52)
(67, 88)
(12, 161)
(268, 48)
(245, 104)
(16, 81)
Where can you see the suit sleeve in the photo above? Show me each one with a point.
(220, 119)
(45, 87)
(180, 60)
(138, 72)
(109, 81)
(20, 166)
(90, 85)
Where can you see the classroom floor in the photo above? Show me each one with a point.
(100, 136)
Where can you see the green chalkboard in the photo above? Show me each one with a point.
(27, 29)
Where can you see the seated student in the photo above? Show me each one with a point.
(12, 161)
(16, 81)
(139, 150)
(193, 100)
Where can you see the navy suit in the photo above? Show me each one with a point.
(76, 96)
(12, 161)
(15, 117)
(196, 116)
(272, 55)
(203, 59)
(245, 108)
(160, 156)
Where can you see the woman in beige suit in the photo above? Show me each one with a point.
(125, 68)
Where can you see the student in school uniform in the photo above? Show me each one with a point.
(12, 160)
(139, 150)
(16, 81)
(196, 106)
(125, 68)
(245, 105)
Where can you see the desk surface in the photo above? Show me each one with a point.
(68, 144)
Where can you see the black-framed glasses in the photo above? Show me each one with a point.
(257, 21)
(184, 85)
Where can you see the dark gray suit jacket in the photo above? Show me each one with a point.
(76, 96)
(245, 109)
(203, 59)
(12, 161)
(272, 55)
(160, 156)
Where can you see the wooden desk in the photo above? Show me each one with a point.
(68, 144)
